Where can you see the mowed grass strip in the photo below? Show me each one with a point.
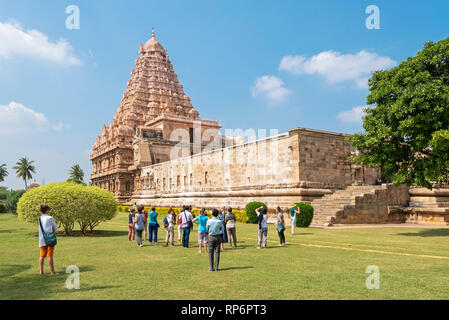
(315, 264)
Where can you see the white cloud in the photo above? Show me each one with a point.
(16, 118)
(15, 41)
(336, 67)
(271, 88)
(352, 116)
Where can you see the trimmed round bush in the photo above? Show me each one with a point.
(71, 204)
(304, 219)
(250, 210)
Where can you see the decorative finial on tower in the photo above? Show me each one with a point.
(152, 33)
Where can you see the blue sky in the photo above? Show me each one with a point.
(248, 64)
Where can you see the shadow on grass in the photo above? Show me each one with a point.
(427, 233)
(36, 286)
(12, 269)
(239, 246)
(95, 233)
(234, 268)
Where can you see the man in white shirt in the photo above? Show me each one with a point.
(47, 223)
(186, 218)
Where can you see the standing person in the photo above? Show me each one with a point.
(47, 226)
(293, 213)
(141, 209)
(189, 208)
(131, 231)
(230, 227)
(224, 237)
(202, 230)
(262, 219)
(170, 228)
(135, 206)
(214, 229)
(179, 222)
(280, 226)
(186, 218)
(152, 225)
(139, 225)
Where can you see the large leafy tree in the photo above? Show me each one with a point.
(76, 174)
(3, 172)
(24, 169)
(407, 126)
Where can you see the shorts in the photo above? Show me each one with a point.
(202, 237)
(47, 251)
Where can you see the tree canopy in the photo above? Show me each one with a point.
(76, 174)
(407, 126)
(3, 172)
(24, 169)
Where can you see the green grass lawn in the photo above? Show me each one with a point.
(315, 264)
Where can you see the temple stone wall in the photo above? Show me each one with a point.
(300, 165)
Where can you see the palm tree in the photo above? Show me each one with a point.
(24, 168)
(3, 172)
(76, 174)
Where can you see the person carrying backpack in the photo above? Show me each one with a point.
(47, 238)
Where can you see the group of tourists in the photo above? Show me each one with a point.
(262, 221)
(212, 232)
(140, 220)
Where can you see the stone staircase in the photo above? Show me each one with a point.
(328, 207)
(429, 206)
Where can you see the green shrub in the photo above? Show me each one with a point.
(240, 216)
(305, 217)
(123, 208)
(12, 199)
(71, 203)
(250, 210)
(4, 194)
(2, 208)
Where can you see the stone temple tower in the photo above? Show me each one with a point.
(152, 92)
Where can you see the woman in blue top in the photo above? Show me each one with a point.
(131, 231)
(152, 225)
(202, 230)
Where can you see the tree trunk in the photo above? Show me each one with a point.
(25, 184)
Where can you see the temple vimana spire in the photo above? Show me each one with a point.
(154, 99)
(158, 151)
